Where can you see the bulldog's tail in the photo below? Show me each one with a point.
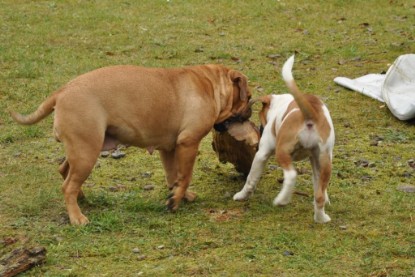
(303, 104)
(42, 111)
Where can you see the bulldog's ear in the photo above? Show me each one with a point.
(242, 82)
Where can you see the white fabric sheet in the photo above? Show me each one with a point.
(396, 88)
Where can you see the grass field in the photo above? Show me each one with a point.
(44, 44)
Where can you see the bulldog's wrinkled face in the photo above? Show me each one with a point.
(238, 102)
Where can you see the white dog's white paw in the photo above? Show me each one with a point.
(281, 200)
(241, 196)
(321, 218)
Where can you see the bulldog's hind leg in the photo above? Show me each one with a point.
(82, 154)
(64, 170)
(321, 165)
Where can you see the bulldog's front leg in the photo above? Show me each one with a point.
(167, 158)
(260, 159)
(185, 156)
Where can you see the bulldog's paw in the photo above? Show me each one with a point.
(242, 195)
(79, 220)
(321, 218)
(172, 204)
(190, 196)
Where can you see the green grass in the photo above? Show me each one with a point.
(44, 44)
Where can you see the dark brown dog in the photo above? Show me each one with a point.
(170, 110)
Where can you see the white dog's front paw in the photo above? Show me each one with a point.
(241, 196)
(282, 200)
(321, 218)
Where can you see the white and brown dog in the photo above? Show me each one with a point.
(296, 127)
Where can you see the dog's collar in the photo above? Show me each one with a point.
(224, 125)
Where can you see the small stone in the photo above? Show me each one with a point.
(274, 56)
(376, 140)
(136, 250)
(146, 174)
(406, 188)
(121, 186)
(141, 257)
(117, 154)
(340, 175)
(288, 253)
(60, 160)
(374, 143)
(148, 187)
(160, 247)
(273, 167)
(88, 185)
(366, 178)
(105, 154)
(113, 188)
(411, 163)
(362, 163)
(259, 88)
(343, 227)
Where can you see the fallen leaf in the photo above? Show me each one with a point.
(274, 56)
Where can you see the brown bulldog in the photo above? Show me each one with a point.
(169, 110)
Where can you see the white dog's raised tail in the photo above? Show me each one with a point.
(304, 105)
(287, 74)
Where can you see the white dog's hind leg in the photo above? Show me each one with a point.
(321, 176)
(320, 215)
(260, 159)
(284, 197)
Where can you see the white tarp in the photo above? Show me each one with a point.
(396, 88)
